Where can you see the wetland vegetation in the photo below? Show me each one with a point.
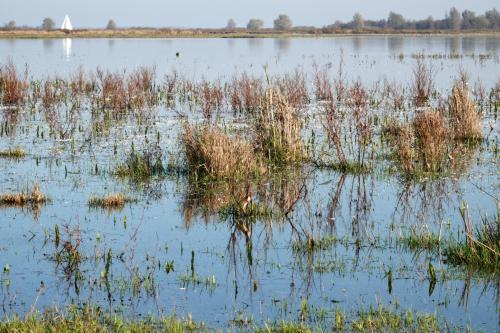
(296, 201)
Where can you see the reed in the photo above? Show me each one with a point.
(423, 83)
(211, 152)
(14, 153)
(110, 201)
(13, 86)
(277, 130)
(464, 118)
(25, 197)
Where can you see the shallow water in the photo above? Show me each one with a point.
(267, 280)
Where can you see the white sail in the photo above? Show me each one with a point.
(66, 25)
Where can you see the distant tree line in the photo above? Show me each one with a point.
(453, 20)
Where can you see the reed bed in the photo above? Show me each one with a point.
(23, 198)
(464, 118)
(211, 152)
(110, 201)
(13, 85)
(277, 130)
(14, 153)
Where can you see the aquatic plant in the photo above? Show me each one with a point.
(211, 152)
(464, 118)
(13, 87)
(110, 201)
(140, 166)
(277, 131)
(480, 251)
(25, 197)
(423, 83)
(15, 153)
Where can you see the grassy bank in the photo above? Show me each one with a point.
(220, 33)
(374, 319)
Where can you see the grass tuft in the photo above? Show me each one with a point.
(110, 201)
(211, 152)
(15, 153)
(35, 196)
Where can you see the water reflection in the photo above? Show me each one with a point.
(48, 44)
(395, 44)
(282, 44)
(66, 42)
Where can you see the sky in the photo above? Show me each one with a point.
(215, 13)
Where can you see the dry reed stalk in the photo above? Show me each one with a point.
(464, 119)
(423, 83)
(112, 200)
(13, 87)
(431, 132)
(35, 196)
(210, 151)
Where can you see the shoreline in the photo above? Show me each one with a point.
(205, 33)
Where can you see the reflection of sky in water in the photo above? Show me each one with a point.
(369, 57)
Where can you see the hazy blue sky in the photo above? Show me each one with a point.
(215, 13)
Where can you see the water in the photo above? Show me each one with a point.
(267, 280)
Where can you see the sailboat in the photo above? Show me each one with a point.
(66, 25)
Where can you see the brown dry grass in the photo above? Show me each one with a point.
(464, 118)
(35, 196)
(17, 152)
(278, 130)
(431, 133)
(209, 151)
(110, 201)
(13, 86)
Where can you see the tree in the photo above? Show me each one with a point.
(48, 24)
(468, 19)
(357, 21)
(11, 25)
(231, 24)
(396, 21)
(111, 25)
(454, 19)
(283, 22)
(493, 17)
(255, 24)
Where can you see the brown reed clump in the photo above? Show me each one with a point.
(211, 152)
(15, 153)
(464, 118)
(26, 197)
(423, 83)
(322, 85)
(350, 131)
(13, 87)
(278, 130)
(431, 133)
(110, 201)
(246, 93)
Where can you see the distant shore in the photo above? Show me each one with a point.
(221, 33)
